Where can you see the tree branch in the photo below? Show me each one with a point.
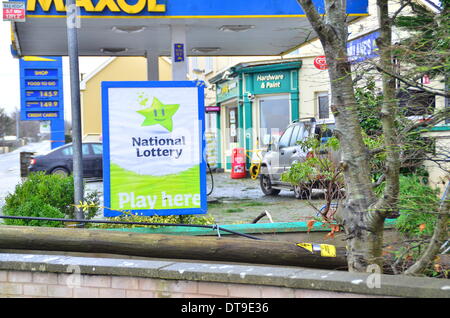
(412, 83)
(434, 119)
(315, 19)
(400, 258)
(438, 238)
(400, 9)
(379, 181)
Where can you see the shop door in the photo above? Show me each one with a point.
(211, 139)
(232, 127)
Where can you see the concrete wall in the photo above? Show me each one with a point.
(28, 275)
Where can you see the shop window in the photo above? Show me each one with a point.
(323, 105)
(232, 124)
(274, 117)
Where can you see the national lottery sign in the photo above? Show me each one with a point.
(153, 145)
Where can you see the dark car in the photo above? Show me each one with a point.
(60, 160)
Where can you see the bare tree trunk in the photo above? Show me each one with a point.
(388, 202)
(364, 227)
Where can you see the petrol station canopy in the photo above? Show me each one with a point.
(136, 27)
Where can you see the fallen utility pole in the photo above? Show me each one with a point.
(167, 246)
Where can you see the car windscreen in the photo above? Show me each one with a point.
(97, 149)
(302, 131)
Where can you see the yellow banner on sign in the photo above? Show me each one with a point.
(37, 58)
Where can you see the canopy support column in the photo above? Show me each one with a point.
(179, 57)
(152, 66)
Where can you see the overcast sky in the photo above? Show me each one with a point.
(9, 71)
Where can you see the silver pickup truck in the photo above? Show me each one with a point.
(286, 151)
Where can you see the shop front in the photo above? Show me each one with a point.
(257, 102)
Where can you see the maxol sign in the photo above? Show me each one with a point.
(183, 8)
(153, 161)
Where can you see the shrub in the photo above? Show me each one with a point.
(417, 203)
(35, 208)
(54, 190)
(42, 195)
(369, 107)
(172, 219)
(319, 170)
(92, 199)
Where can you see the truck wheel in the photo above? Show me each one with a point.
(266, 185)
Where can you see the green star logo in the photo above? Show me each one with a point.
(159, 113)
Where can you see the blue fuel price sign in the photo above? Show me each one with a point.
(41, 87)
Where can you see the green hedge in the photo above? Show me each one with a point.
(42, 195)
(418, 204)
